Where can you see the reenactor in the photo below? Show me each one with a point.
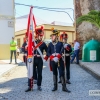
(67, 49)
(55, 55)
(38, 58)
(24, 49)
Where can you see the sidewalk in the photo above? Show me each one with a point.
(5, 67)
(92, 67)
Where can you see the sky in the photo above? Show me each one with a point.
(47, 16)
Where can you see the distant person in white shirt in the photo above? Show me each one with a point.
(76, 52)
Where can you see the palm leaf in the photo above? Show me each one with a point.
(94, 12)
(92, 17)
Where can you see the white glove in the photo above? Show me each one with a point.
(55, 59)
(65, 45)
(53, 54)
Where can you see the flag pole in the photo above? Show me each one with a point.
(30, 56)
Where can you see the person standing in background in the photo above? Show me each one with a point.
(13, 48)
(71, 54)
(76, 52)
(24, 50)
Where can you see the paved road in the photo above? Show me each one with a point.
(13, 84)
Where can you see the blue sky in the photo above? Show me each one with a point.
(46, 15)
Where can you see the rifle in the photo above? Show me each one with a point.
(65, 65)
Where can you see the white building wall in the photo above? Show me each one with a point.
(7, 26)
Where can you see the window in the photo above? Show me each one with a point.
(18, 42)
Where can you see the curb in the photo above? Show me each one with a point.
(94, 74)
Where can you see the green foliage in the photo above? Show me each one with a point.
(92, 17)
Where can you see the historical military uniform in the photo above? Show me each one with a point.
(38, 61)
(54, 52)
(24, 50)
(66, 52)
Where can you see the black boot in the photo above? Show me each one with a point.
(35, 82)
(29, 89)
(55, 83)
(67, 81)
(59, 80)
(39, 88)
(55, 87)
(64, 88)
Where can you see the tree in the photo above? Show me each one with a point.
(93, 17)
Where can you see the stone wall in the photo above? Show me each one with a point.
(86, 31)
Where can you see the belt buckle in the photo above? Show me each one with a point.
(67, 54)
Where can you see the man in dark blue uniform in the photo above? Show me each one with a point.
(53, 52)
(67, 49)
(24, 50)
(38, 60)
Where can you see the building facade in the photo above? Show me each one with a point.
(7, 27)
(20, 35)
